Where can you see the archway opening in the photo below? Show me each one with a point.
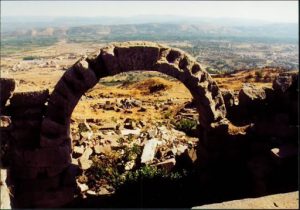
(120, 117)
(126, 57)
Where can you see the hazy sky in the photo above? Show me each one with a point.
(274, 11)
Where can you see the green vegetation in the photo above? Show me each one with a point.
(149, 173)
(156, 87)
(111, 168)
(186, 125)
(212, 71)
(168, 114)
(258, 76)
(11, 45)
(29, 58)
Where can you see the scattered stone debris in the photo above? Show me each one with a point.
(84, 161)
(158, 145)
(167, 165)
(149, 151)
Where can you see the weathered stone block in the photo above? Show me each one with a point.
(46, 141)
(54, 129)
(42, 157)
(29, 99)
(27, 124)
(47, 199)
(249, 94)
(25, 138)
(32, 113)
(85, 74)
(136, 57)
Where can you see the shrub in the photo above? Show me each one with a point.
(259, 75)
(148, 173)
(131, 153)
(186, 125)
(30, 58)
(156, 88)
(168, 114)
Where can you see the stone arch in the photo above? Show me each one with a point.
(123, 57)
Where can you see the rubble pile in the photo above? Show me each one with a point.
(119, 104)
(127, 148)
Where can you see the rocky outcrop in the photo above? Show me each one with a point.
(249, 95)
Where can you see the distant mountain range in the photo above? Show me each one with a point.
(145, 27)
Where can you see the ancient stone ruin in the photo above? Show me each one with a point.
(38, 130)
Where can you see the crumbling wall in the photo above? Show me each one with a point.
(40, 177)
(268, 143)
(39, 134)
(39, 128)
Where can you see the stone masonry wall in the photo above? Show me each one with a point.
(39, 124)
(36, 125)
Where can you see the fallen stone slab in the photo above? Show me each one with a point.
(167, 165)
(78, 149)
(82, 187)
(104, 149)
(277, 201)
(107, 126)
(84, 162)
(149, 151)
(126, 132)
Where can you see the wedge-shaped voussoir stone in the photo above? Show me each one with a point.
(85, 74)
(169, 69)
(42, 157)
(59, 107)
(74, 82)
(110, 60)
(174, 56)
(64, 90)
(137, 57)
(29, 99)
